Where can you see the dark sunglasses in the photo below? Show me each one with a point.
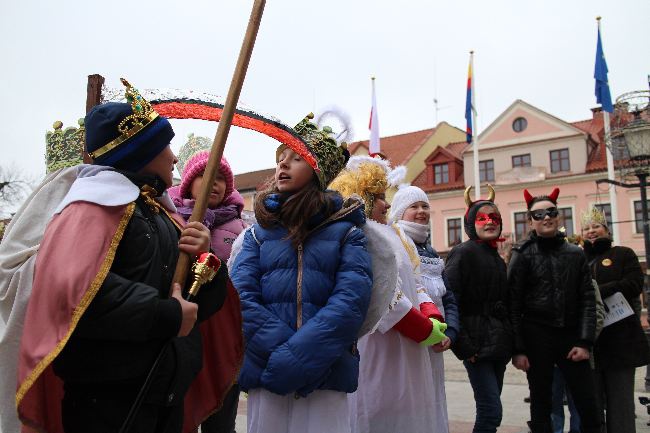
(540, 214)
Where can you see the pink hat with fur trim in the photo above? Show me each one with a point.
(196, 166)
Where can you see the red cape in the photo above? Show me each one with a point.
(73, 260)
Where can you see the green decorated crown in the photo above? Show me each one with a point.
(330, 156)
(64, 147)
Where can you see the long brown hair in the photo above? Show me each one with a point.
(296, 211)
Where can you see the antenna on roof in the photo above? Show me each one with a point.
(436, 108)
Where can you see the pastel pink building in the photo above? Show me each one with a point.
(526, 147)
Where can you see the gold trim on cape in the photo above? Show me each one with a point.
(81, 308)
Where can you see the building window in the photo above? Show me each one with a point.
(486, 170)
(521, 226)
(638, 216)
(441, 173)
(560, 160)
(519, 124)
(606, 208)
(566, 219)
(454, 232)
(521, 160)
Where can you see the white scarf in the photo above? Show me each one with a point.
(418, 232)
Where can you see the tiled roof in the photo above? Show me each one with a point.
(597, 159)
(398, 148)
(454, 149)
(253, 179)
(421, 181)
(457, 148)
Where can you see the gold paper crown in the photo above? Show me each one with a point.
(329, 154)
(593, 215)
(143, 114)
(63, 148)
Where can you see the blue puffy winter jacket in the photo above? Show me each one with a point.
(326, 282)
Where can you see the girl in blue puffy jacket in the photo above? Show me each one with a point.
(304, 279)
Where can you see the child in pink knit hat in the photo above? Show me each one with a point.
(225, 204)
(223, 218)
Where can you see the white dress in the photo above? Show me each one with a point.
(320, 411)
(431, 270)
(396, 390)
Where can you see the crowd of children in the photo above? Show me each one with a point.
(333, 311)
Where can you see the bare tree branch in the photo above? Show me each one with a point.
(14, 187)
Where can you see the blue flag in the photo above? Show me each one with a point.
(603, 97)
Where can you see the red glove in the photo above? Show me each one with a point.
(414, 325)
(430, 310)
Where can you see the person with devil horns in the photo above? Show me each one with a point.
(477, 276)
(553, 314)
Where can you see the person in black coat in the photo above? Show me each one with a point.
(553, 314)
(136, 313)
(622, 346)
(477, 277)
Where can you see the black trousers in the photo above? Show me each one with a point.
(546, 347)
(88, 412)
(223, 420)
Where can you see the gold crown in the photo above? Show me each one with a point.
(64, 147)
(143, 114)
(593, 215)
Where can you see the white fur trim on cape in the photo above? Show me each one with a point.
(100, 185)
(397, 176)
(355, 162)
(104, 186)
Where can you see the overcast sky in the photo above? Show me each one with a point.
(310, 55)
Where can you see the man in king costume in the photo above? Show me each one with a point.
(102, 307)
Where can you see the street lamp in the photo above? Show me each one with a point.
(637, 138)
(630, 145)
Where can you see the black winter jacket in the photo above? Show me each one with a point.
(477, 276)
(550, 284)
(622, 344)
(132, 317)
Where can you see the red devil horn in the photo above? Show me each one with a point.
(527, 197)
(553, 196)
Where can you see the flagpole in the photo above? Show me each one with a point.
(477, 177)
(613, 202)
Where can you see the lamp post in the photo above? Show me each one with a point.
(630, 145)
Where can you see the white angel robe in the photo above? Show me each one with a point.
(396, 389)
